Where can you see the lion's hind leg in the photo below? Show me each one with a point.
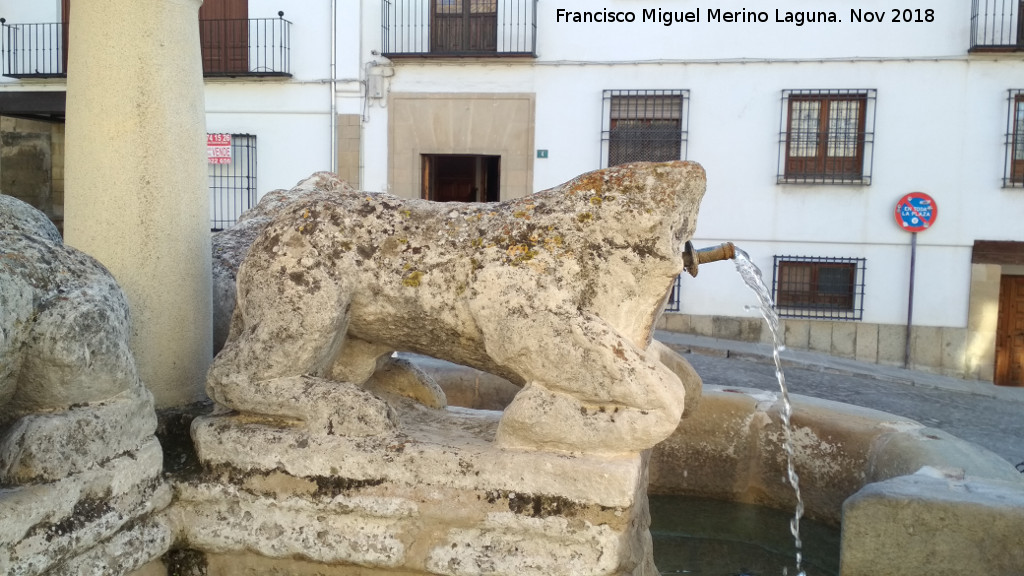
(282, 346)
(588, 389)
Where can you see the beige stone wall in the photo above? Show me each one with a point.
(32, 164)
(349, 130)
(492, 124)
(942, 350)
(57, 172)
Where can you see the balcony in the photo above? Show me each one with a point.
(34, 50)
(246, 47)
(459, 28)
(997, 26)
(249, 47)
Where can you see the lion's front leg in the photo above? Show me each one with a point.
(588, 389)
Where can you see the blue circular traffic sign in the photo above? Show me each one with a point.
(916, 212)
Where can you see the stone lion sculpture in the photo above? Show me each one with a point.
(70, 396)
(557, 292)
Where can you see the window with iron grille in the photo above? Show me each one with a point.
(826, 136)
(644, 125)
(821, 288)
(233, 182)
(673, 298)
(1014, 173)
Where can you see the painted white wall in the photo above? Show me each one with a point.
(939, 128)
(947, 35)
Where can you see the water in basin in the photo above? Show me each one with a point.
(702, 537)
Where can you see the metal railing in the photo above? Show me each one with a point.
(996, 25)
(233, 184)
(1013, 171)
(673, 304)
(34, 50)
(459, 28)
(246, 46)
(237, 47)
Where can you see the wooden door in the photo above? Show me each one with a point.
(451, 178)
(65, 19)
(1010, 332)
(224, 35)
(462, 26)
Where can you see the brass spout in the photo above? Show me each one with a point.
(692, 258)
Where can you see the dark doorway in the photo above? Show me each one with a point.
(461, 177)
(224, 35)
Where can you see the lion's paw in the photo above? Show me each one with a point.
(343, 409)
(402, 377)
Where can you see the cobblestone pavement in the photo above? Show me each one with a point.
(991, 422)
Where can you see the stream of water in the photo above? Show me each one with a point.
(751, 274)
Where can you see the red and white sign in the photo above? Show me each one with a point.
(218, 148)
(916, 212)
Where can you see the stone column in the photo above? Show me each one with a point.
(136, 191)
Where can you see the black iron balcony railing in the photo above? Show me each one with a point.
(34, 50)
(478, 28)
(996, 25)
(246, 46)
(241, 47)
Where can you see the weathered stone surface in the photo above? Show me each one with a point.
(132, 548)
(46, 525)
(404, 378)
(732, 449)
(78, 460)
(401, 500)
(558, 291)
(18, 216)
(468, 387)
(66, 370)
(945, 524)
(230, 246)
(472, 388)
(681, 368)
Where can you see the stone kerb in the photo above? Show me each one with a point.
(78, 458)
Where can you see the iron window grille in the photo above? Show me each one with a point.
(644, 125)
(997, 26)
(1013, 173)
(826, 136)
(820, 288)
(673, 298)
(233, 185)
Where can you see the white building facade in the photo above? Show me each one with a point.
(812, 125)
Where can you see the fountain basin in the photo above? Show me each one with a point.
(906, 495)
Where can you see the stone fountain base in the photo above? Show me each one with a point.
(95, 522)
(436, 496)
